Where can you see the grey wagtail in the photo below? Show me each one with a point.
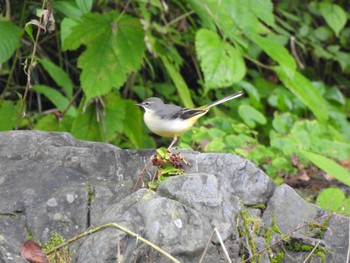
(169, 120)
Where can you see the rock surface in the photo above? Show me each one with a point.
(50, 182)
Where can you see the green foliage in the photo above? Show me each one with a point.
(222, 64)
(107, 60)
(334, 200)
(168, 164)
(10, 35)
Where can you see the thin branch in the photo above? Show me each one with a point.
(30, 69)
(312, 251)
(348, 256)
(258, 63)
(124, 229)
(221, 243)
(295, 53)
(139, 178)
(71, 102)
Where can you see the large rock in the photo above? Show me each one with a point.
(50, 182)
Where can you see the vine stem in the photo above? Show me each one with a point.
(115, 225)
(30, 69)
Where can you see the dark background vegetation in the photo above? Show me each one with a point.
(291, 59)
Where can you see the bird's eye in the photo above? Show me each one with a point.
(146, 103)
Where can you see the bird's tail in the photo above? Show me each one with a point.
(230, 97)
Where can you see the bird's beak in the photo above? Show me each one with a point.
(138, 104)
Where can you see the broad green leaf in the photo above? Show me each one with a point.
(283, 123)
(179, 82)
(305, 92)
(334, 15)
(216, 145)
(222, 64)
(247, 13)
(200, 7)
(331, 199)
(115, 48)
(59, 76)
(276, 51)
(50, 122)
(328, 165)
(133, 123)
(114, 117)
(68, 8)
(251, 116)
(56, 98)
(335, 94)
(29, 30)
(86, 126)
(10, 35)
(67, 26)
(84, 5)
(8, 115)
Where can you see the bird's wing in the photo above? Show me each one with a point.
(186, 113)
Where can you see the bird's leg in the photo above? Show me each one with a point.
(172, 143)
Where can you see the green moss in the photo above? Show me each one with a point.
(250, 228)
(278, 258)
(60, 256)
(320, 228)
(258, 206)
(90, 193)
(300, 247)
(30, 235)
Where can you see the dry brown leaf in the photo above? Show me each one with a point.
(32, 252)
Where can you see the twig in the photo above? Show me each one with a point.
(124, 229)
(295, 54)
(348, 256)
(71, 102)
(312, 251)
(142, 173)
(30, 69)
(258, 63)
(206, 247)
(221, 243)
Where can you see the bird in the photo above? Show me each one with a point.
(169, 120)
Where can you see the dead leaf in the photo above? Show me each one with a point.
(32, 252)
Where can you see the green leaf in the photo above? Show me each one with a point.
(85, 125)
(283, 123)
(108, 59)
(47, 123)
(67, 26)
(216, 145)
(163, 153)
(10, 35)
(179, 82)
(68, 8)
(29, 30)
(133, 123)
(59, 76)
(276, 51)
(8, 115)
(251, 116)
(328, 165)
(115, 114)
(222, 64)
(56, 98)
(84, 5)
(331, 199)
(334, 15)
(247, 13)
(306, 93)
(335, 94)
